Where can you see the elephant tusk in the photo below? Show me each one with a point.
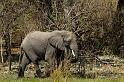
(73, 53)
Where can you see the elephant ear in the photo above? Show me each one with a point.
(57, 42)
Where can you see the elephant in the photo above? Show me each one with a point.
(47, 46)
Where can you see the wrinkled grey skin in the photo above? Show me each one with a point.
(48, 46)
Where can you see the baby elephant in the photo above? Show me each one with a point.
(48, 46)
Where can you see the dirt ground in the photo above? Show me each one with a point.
(104, 71)
(6, 74)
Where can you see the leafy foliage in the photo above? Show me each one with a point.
(93, 21)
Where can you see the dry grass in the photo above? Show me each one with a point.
(62, 73)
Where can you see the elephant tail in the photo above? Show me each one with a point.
(21, 55)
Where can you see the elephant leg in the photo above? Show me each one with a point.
(50, 57)
(25, 61)
(60, 58)
(58, 63)
(51, 67)
(38, 71)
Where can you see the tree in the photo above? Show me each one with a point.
(118, 29)
(1, 43)
(8, 15)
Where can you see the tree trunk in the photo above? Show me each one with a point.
(1, 49)
(8, 46)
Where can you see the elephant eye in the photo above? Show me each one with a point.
(67, 43)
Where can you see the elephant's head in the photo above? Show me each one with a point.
(65, 40)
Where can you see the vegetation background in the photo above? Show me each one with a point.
(98, 24)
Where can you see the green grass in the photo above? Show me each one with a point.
(27, 80)
(63, 80)
(96, 80)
